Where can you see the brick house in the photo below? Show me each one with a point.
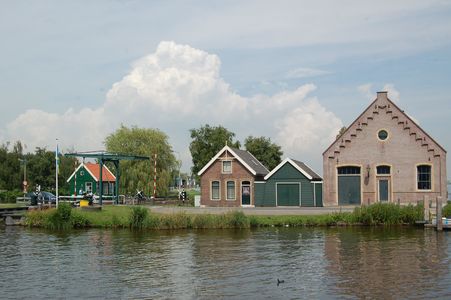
(229, 178)
(383, 156)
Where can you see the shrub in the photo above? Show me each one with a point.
(201, 221)
(138, 216)
(64, 210)
(10, 196)
(446, 212)
(78, 220)
(253, 221)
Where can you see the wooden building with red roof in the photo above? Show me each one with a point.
(88, 179)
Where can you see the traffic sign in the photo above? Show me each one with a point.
(25, 183)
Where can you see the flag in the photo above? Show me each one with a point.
(57, 157)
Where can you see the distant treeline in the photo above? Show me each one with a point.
(40, 168)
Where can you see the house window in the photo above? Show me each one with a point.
(215, 190)
(227, 166)
(383, 170)
(424, 177)
(231, 190)
(82, 173)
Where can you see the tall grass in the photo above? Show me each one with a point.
(142, 217)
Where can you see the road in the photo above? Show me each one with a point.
(261, 211)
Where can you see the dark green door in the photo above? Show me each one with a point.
(245, 195)
(318, 194)
(383, 190)
(288, 195)
(349, 190)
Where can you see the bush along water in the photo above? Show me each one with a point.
(142, 217)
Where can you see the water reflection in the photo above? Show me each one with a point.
(387, 263)
(316, 263)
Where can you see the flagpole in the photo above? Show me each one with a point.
(56, 171)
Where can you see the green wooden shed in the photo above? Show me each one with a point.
(88, 179)
(291, 183)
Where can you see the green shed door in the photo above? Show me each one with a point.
(383, 190)
(349, 190)
(288, 195)
(318, 194)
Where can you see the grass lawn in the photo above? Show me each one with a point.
(8, 205)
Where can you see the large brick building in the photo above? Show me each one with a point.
(383, 156)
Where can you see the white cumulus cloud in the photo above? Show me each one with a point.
(365, 90)
(393, 94)
(177, 88)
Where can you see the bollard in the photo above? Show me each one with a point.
(426, 208)
(439, 213)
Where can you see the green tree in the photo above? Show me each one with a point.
(206, 143)
(269, 154)
(342, 130)
(41, 169)
(11, 176)
(142, 142)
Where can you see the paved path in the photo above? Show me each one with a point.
(262, 211)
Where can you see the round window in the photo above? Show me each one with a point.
(382, 135)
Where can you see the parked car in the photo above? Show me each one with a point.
(44, 197)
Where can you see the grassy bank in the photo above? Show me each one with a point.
(141, 217)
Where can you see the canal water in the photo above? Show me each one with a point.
(315, 263)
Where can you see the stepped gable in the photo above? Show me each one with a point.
(382, 105)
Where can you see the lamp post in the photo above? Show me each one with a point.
(180, 160)
(368, 169)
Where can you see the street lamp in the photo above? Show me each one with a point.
(180, 160)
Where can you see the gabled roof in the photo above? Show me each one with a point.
(399, 111)
(253, 165)
(94, 171)
(300, 166)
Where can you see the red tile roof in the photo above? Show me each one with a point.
(94, 169)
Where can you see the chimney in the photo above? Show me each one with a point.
(382, 95)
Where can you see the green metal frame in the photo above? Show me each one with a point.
(103, 157)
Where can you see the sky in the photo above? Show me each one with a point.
(292, 71)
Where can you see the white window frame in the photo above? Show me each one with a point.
(211, 190)
(226, 172)
(234, 190)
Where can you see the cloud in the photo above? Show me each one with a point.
(308, 129)
(393, 94)
(365, 90)
(37, 128)
(176, 88)
(305, 72)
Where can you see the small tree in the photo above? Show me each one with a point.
(342, 130)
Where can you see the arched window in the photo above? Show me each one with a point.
(424, 177)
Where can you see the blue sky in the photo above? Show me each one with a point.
(294, 71)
